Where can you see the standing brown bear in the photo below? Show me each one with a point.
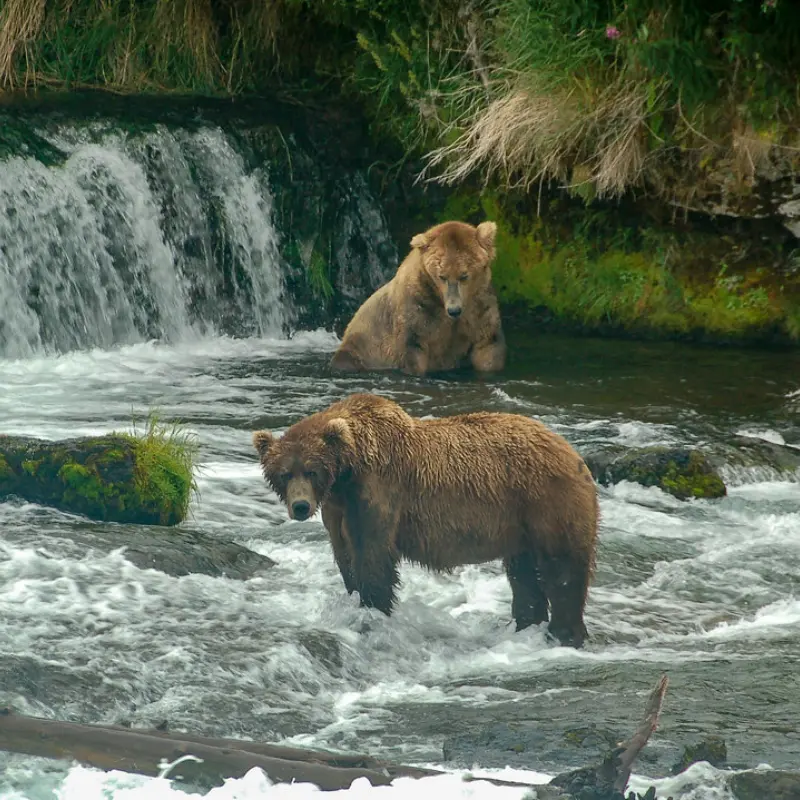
(444, 492)
(438, 312)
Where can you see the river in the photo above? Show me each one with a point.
(706, 591)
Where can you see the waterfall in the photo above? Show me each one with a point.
(164, 235)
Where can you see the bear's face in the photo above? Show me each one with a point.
(302, 466)
(457, 259)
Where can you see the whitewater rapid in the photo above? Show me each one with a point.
(704, 590)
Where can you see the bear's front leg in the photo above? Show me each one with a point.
(333, 520)
(375, 563)
(489, 356)
(416, 361)
(346, 360)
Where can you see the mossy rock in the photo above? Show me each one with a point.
(711, 749)
(762, 784)
(121, 478)
(681, 472)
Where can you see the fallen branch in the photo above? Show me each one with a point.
(609, 779)
(210, 761)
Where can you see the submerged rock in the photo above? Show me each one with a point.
(519, 744)
(178, 552)
(753, 451)
(711, 748)
(681, 471)
(763, 784)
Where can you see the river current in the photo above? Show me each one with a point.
(706, 591)
(122, 264)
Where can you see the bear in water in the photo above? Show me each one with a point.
(439, 311)
(444, 492)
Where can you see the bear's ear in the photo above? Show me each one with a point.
(487, 231)
(337, 433)
(262, 441)
(421, 241)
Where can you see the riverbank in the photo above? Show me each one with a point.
(622, 268)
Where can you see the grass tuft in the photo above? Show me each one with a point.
(20, 23)
(165, 458)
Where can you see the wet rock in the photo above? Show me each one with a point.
(751, 451)
(120, 478)
(323, 647)
(519, 744)
(178, 551)
(763, 784)
(681, 471)
(711, 748)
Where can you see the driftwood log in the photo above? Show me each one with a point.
(213, 760)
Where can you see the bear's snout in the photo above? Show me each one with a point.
(454, 311)
(301, 510)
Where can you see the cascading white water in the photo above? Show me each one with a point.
(164, 235)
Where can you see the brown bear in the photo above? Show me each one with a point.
(439, 311)
(442, 493)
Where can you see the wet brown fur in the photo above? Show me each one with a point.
(405, 324)
(445, 492)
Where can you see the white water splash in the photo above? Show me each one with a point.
(116, 245)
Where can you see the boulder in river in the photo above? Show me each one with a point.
(683, 472)
(144, 479)
(761, 784)
(755, 452)
(178, 551)
(712, 749)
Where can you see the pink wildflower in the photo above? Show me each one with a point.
(612, 32)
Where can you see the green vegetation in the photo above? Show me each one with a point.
(164, 458)
(144, 478)
(604, 96)
(691, 102)
(681, 473)
(598, 270)
(584, 91)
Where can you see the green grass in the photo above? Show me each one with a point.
(592, 270)
(521, 90)
(165, 457)
(677, 91)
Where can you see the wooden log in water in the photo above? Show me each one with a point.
(145, 752)
(143, 479)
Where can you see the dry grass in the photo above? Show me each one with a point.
(187, 28)
(529, 135)
(141, 45)
(20, 23)
(751, 153)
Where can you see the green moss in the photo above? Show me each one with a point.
(692, 480)
(590, 270)
(87, 492)
(6, 473)
(144, 478)
(712, 749)
(31, 466)
(679, 472)
(163, 470)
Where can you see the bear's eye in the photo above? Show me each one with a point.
(443, 278)
(311, 474)
(285, 477)
(463, 277)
